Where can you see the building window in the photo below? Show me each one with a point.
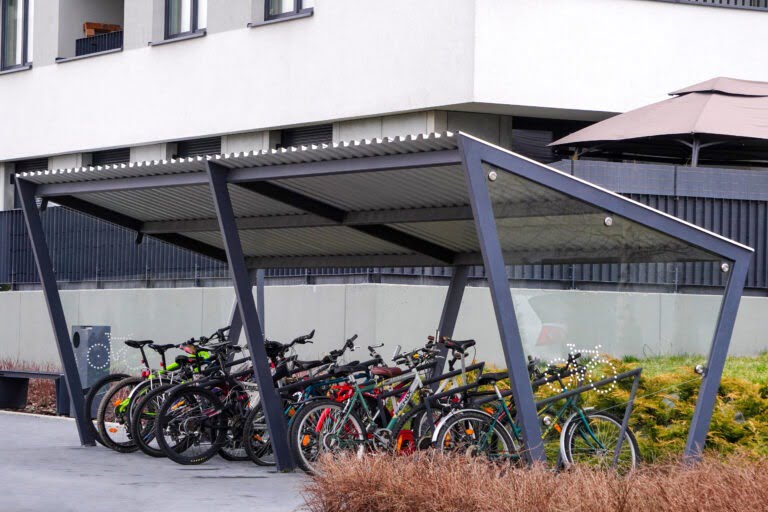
(275, 9)
(198, 147)
(306, 136)
(14, 24)
(180, 18)
(111, 156)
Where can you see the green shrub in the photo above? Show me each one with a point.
(666, 400)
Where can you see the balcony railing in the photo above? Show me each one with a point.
(99, 43)
(755, 5)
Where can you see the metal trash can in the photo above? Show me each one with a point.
(93, 353)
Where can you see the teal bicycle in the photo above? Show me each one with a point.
(575, 434)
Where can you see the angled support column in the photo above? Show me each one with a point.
(55, 310)
(260, 281)
(450, 312)
(235, 320)
(235, 323)
(702, 415)
(241, 280)
(493, 258)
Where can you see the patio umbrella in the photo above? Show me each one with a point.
(724, 116)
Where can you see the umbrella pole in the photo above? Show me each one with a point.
(695, 147)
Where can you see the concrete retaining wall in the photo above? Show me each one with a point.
(621, 323)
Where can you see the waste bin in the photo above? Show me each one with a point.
(93, 353)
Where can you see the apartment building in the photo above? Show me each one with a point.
(95, 82)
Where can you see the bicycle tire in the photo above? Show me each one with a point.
(233, 449)
(142, 389)
(579, 443)
(98, 389)
(116, 416)
(304, 438)
(458, 435)
(256, 438)
(415, 417)
(144, 419)
(191, 415)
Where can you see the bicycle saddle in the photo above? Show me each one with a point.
(161, 348)
(181, 359)
(458, 345)
(274, 348)
(386, 371)
(352, 367)
(138, 344)
(490, 378)
(308, 365)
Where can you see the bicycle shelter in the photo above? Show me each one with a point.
(432, 200)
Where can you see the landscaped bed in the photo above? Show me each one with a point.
(434, 483)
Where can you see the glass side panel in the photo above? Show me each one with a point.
(616, 324)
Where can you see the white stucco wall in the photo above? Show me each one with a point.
(622, 323)
(290, 73)
(609, 55)
(367, 58)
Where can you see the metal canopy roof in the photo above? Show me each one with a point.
(389, 202)
(436, 199)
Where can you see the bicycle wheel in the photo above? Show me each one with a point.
(256, 439)
(144, 420)
(93, 400)
(143, 389)
(474, 433)
(233, 448)
(413, 431)
(592, 441)
(322, 427)
(113, 420)
(191, 425)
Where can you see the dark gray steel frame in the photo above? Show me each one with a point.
(472, 153)
(477, 152)
(44, 265)
(241, 279)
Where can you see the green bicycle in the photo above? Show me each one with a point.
(582, 435)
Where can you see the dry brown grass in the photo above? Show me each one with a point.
(41, 396)
(436, 483)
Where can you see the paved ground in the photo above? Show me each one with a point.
(43, 467)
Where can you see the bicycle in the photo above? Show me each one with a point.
(585, 435)
(118, 403)
(205, 417)
(356, 416)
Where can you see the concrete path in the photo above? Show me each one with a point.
(43, 467)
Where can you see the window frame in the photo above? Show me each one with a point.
(24, 37)
(193, 22)
(298, 9)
